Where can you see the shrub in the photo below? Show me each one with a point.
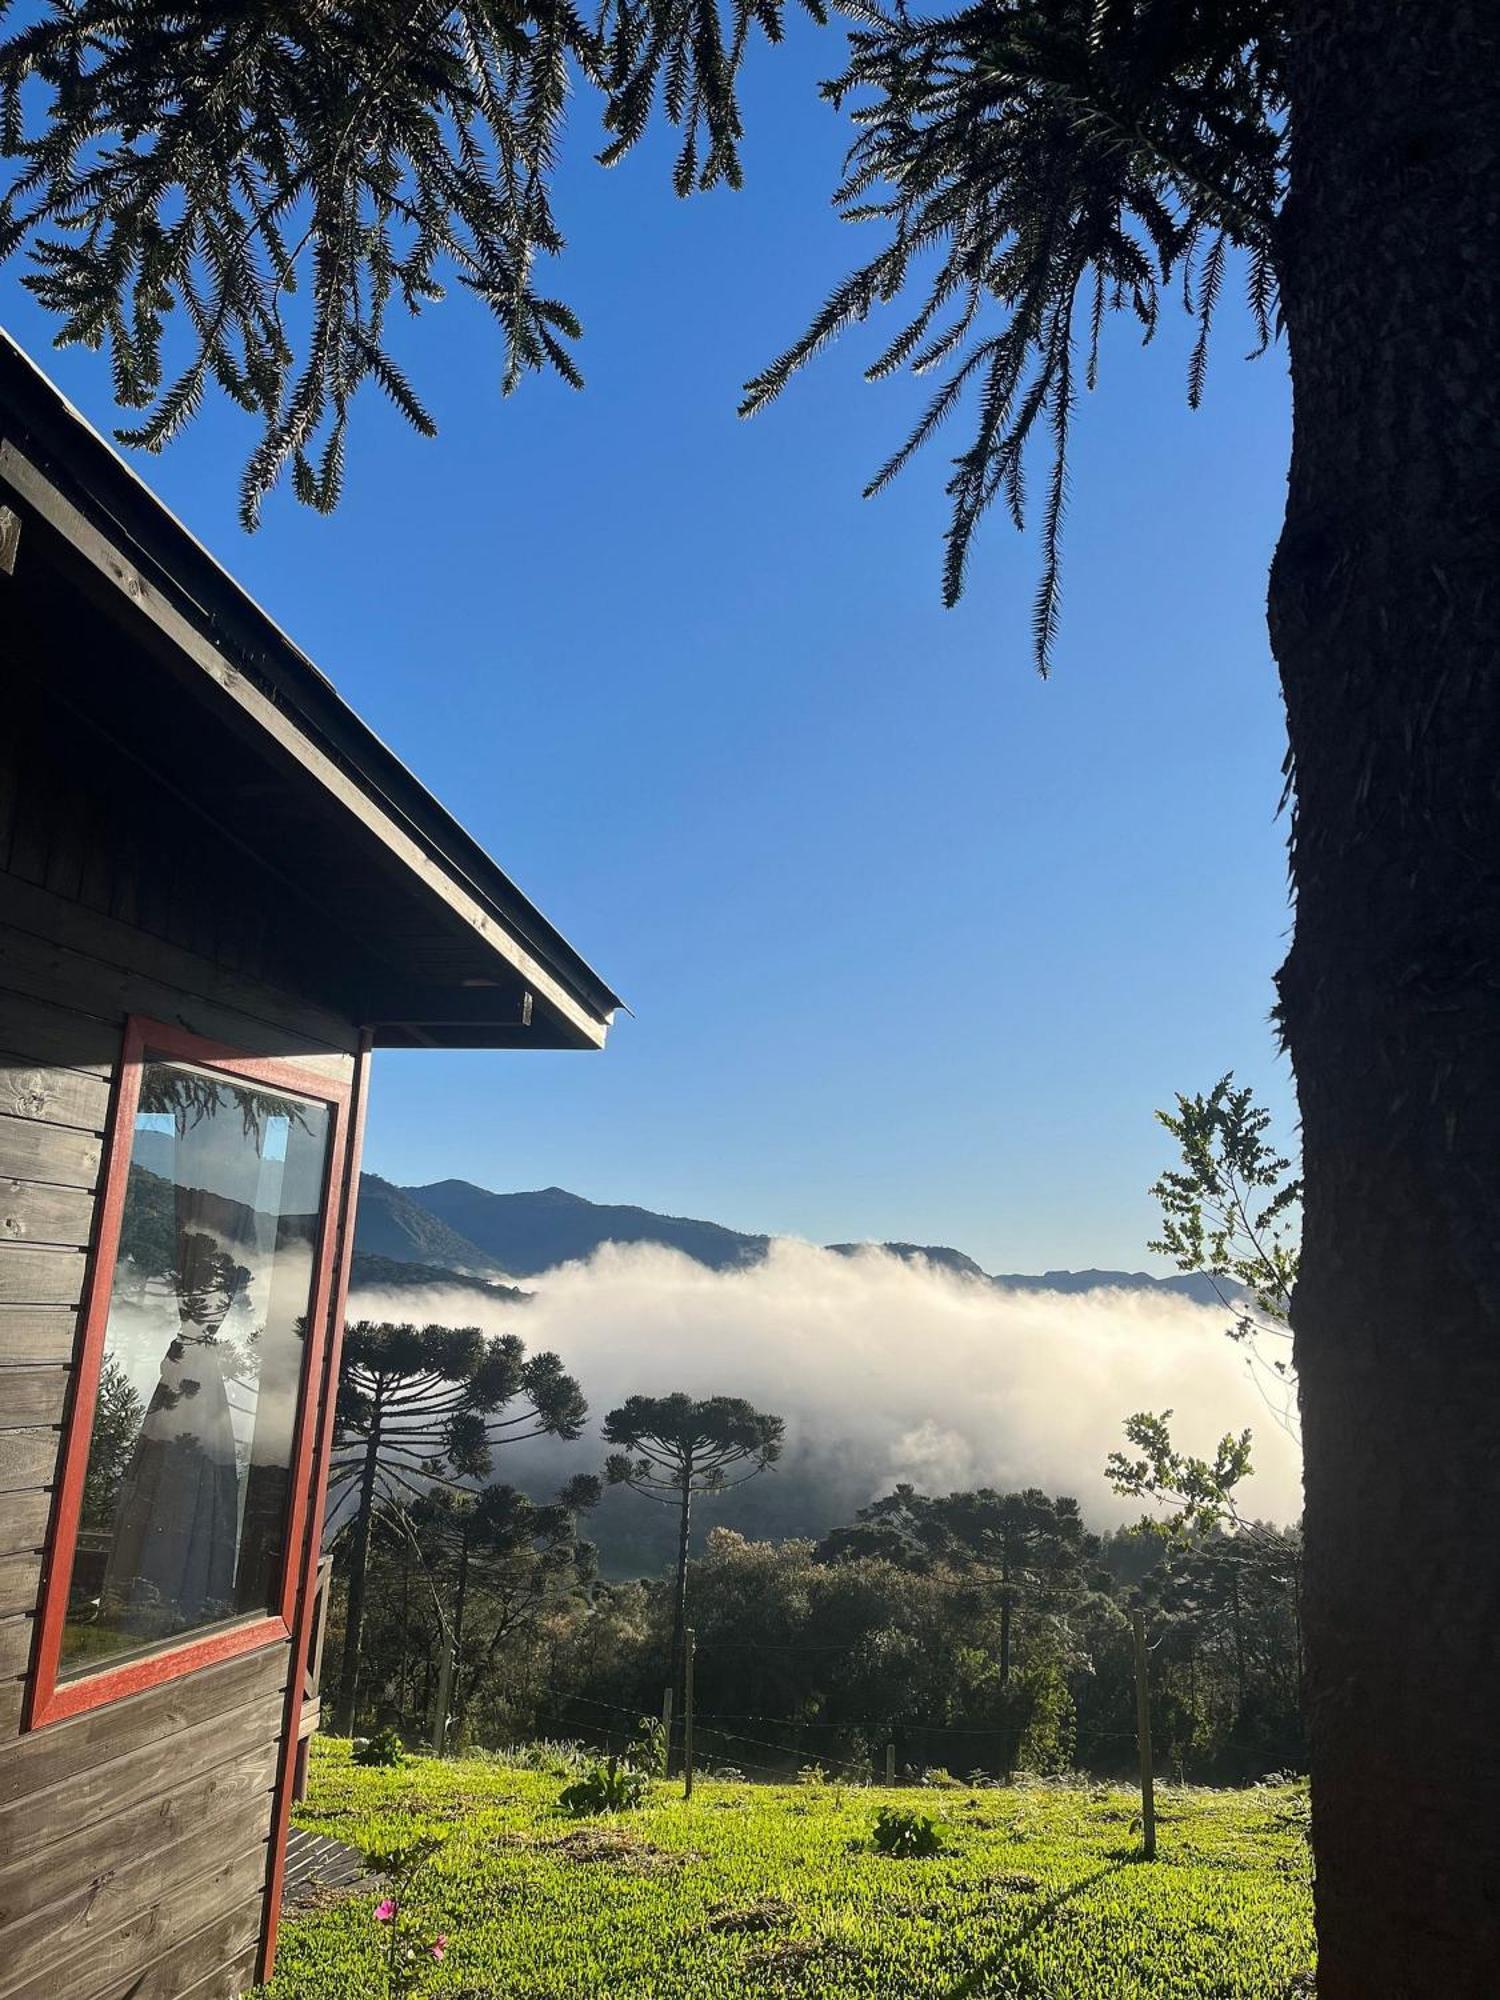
(812, 1774)
(608, 1788)
(937, 1779)
(383, 1750)
(905, 1835)
(646, 1751)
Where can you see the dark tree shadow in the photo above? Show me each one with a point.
(973, 1983)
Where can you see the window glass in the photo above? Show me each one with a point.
(189, 1469)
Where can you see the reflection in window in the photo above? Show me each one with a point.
(189, 1469)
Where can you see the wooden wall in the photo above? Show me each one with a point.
(133, 1837)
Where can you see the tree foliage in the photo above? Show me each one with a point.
(1036, 166)
(675, 1444)
(424, 1407)
(676, 1447)
(1229, 1209)
(478, 1573)
(1199, 1492)
(118, 1416)
(430, 1404)
(1028, 1549)
(237, 195)
(807, 1662)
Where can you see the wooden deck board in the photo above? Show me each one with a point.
(314, 1863)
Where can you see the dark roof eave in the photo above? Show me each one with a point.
(66, 446)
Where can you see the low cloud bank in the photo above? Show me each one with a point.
(884, 1370)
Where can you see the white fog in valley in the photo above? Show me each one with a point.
(884, 1370)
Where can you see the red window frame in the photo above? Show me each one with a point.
(53, 1699)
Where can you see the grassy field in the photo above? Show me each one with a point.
(757, 1890)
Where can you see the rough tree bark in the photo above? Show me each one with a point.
(1385, 619)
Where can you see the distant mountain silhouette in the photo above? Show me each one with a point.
(528, 1233)
(391, 1224)
(926, 1253)
(454, 1225)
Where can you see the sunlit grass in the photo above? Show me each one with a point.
(1038, 1895)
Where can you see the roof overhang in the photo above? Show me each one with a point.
(452, 953)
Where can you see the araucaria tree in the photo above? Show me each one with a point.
(1034, 167)
(495, 1563)
(673, 1447)
(420, 1407)
(1029, 1549)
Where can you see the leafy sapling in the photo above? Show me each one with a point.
(410, 1948)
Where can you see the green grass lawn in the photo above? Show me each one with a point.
(774, 1890)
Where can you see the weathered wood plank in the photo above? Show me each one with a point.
(235, 1936)
(52, 948)
(228, 1981)
(122, 1877)
(16, 1635)
(28, 1458)
(86, 1859)
(33, 1212)
(30, 1151)
(23, 1521)
(141, 1722)
(31, 1395)
(103, 1791)
(41, 1277)
(20, 1583)
(52, 1096)
(37, 1333)
(58, 1035)
(90, 1957)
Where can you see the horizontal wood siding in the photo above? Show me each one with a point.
(52, 1096)
(41, 1882)
(20, 1580)
(148, 1952)
(34, 1213)
(55, 1154)
(236, 1934)
(27, 1458)
(23, 1519)
(133, 1837)
(37, 1333)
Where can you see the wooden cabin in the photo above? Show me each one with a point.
(219, 891)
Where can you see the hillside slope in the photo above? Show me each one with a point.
(392, 1224)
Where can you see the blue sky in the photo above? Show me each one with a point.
(915, 942)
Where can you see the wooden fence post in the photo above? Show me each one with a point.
(687, 1713)
(890, 1763)
(1143, 1738)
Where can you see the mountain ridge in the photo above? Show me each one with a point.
(480, 1234)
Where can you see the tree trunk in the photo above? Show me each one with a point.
(679, 1595)
(359, 1567)
(451, 1698)
(1385, 618)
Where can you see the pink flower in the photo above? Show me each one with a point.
(439, 1948)
(385, 1911)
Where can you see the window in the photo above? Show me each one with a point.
(184, 1490)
